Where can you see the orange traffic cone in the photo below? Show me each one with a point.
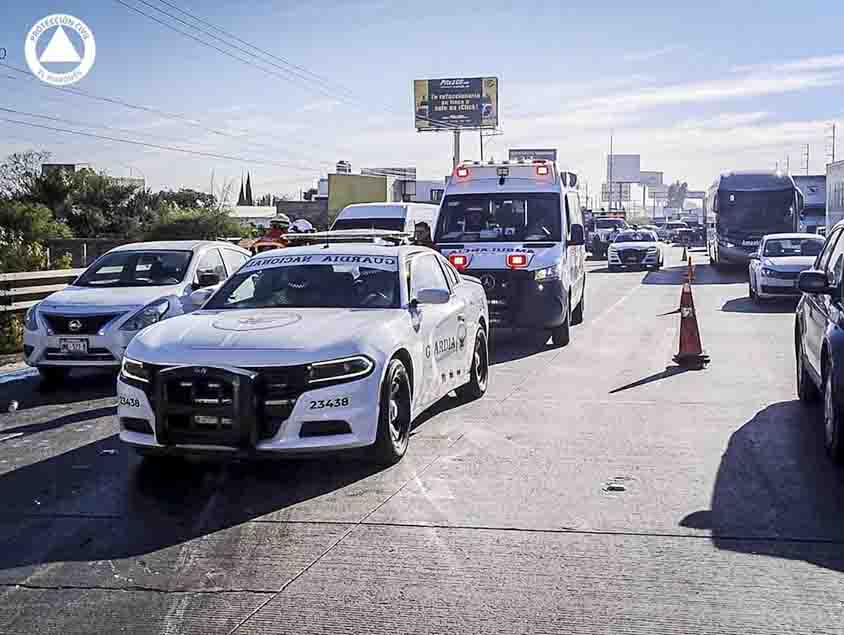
(685, 253)
(691, 353)
(690, 274)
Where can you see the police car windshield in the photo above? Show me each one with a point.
(793, 247)
(499, 218)
(388, 224)
(137, 269)
(635, 237)
(346, 286)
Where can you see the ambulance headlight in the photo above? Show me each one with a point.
(345, 369)
(549, 273)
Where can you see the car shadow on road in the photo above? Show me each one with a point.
(705, 274)
(32, 392)
(90, 505)
(746, 305)
(513, 345)
(776, 492)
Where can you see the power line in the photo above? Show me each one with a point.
(211, 155)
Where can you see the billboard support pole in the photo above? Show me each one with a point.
(456, 148)
(481, 133)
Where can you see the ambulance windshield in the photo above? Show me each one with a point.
(499, 218)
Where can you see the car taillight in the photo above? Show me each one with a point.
(517, 261)
(461, 173)
(459, 261)
(542, 170)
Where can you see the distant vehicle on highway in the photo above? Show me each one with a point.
(91, 322)
(518, 227)
(685, 236)
(745, 207)
(672, 227)
(401, 217)
(635, 250)
(605, 228)
(819, 339)
(774, 269)
(312, 348)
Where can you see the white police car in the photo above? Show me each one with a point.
(90, 323)
(321, 347)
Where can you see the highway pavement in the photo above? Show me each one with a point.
(596, 488)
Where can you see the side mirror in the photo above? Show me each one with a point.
(577, 236)
(754, 255)
(814, 282)
(200, 296)
(433, 296)
(208, 279)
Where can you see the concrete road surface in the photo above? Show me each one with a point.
(595, 489)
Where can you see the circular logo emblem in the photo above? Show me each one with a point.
(257, 323)
(74, 325)
(59, 63)
(488, 281)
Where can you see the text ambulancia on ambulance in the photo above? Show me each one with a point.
(518, 228)
(320, 347)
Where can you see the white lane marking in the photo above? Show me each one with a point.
(18, 375)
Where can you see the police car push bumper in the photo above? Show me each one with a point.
(338, 417)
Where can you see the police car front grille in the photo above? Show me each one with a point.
(88, 324)
(632, 255)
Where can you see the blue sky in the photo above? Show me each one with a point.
(694, 89)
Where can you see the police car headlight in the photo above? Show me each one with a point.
(772, 273)
(549, 273)
(135, 370)
(150, 314)
(344, 369)
(30, 322)
(653, 250)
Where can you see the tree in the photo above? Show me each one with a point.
(31, 221)
(677, 194)
(18, 173)
(193, 224)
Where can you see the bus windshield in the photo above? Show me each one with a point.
(770, 212)
(500, 218)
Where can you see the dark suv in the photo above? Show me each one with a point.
(819, 339)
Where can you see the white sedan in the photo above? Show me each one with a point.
(773, 270)
(92, 320)
(635, 249)
(313, 348)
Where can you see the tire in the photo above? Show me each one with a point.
(807, 392)
(751, 293)
(478, 372)
(577, 314)
(832, 421)
(52, 374)
(393, 416)
(561, 335)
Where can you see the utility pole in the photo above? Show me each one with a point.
(830, 139)
(609, 185)
(456, 148)
(806, 159)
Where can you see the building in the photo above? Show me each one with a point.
(128, 181)
(69, 168)
(813, 189)
(834, 193)
(253, 215)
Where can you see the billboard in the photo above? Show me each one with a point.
(696, 194)
(658, 192)
(620, 192)
(345, 189)
(517, 154)
(456, 103)
(650, 179)
(624, 168)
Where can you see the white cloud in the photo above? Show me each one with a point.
(643, 56)
(819, 63)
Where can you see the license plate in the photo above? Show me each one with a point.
(78, 347)
(202, 420)
(632, 259)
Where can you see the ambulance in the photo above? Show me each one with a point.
(518, 228)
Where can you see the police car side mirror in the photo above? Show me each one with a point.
(433, 296)
(200, 296)
(577, 236)
(814, 282)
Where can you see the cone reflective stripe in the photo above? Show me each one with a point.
(691, 352)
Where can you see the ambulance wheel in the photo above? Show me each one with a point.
(394, 416)
(560, 335)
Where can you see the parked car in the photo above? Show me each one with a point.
(91, 322)
(819, 339)
(773, 270)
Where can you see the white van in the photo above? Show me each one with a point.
(388, 216)
(518, 227)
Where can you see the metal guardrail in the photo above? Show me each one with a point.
(19, 291)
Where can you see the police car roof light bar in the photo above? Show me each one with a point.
(350, 236)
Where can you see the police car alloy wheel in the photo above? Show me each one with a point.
(479, 371)
(832, 418)
(394, 415)
(807, 392)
